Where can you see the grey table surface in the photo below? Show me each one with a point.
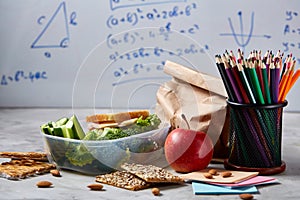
(19, 131)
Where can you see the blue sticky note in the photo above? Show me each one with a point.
(203, 188)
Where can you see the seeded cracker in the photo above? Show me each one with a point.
(24, 155)
(152, 174)
(123, 179)
(19, 169)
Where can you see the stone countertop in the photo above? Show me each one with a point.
(19, 131)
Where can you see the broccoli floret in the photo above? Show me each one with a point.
(151, 120)
(143, 125)
(112, 133)
(92, 135)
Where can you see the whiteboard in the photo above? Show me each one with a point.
(111, 53)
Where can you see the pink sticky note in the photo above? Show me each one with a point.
(257, 180)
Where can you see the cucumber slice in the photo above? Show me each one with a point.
(58, 131)
(64, 127)
(51, 124)
(77, 129)
(46, 129)
(50, 131)
(61, 121)
(68, 130)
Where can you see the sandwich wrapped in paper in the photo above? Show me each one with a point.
(197, 101)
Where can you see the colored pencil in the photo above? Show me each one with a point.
(259, 75)
(273, 83)
(284, 66)
(294, 79)
(277, 79)
(285, 79)
(246, 83)
(266, 84)
(231, 79)
(248, 75)
(237, 77)
(288, 82)
(240, 56)
(257, 88)
(225, 78)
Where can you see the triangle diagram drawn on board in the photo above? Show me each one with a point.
(55, 34)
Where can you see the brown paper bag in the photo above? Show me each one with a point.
(197, 101)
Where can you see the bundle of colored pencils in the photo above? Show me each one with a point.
(257, 79)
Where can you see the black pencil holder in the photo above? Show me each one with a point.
(255, 138)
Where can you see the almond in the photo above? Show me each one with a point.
(208, 175)
(155, 191)
(246, 196)
(43, 184)
(213, 172)
(55, 172)
(226, 174)
(95, 186)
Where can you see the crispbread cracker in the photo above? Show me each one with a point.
(123, 179)
(151, 174)
(117, 117)
(19, 169)
(24, 155)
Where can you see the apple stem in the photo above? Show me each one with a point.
(184, 118)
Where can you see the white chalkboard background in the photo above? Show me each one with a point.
(110, 53)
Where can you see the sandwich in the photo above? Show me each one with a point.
(121, 124)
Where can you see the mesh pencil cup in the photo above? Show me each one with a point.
(255, 138)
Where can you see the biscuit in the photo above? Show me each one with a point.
(151, 174)
(20, 169)
(123, 180)
(24, 155)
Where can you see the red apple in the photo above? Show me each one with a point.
(188, 150)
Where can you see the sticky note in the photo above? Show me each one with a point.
(258, 180)
(203, 188)
(237, 176)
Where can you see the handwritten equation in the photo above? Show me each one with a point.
(291, 28)
(158, 52)
(21, 75)
(131, 38)
(134, 62)
(139, 15)
(152, 52)
(136, 69)
(116, 4)
(143, 54)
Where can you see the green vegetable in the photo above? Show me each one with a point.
(77, 129)
(92, 135)
(78, 155)
(67, 130)
(57, 131)
(61, 121)
(64, 127)
(46, 129)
